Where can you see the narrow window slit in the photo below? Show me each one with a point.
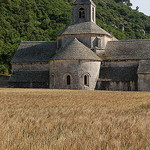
(68, 80)
(86, 80)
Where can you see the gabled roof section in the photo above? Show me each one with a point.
(34, 51)
(128, 50)
(82, 27)
(75, 50)
(144, 67)
(83, 2)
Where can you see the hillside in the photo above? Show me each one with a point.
(42, 20)
(33, 119)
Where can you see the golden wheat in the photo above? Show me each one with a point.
(38, 119)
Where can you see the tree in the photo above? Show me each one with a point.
(42, 20)
(137, 8)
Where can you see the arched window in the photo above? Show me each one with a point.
(52, 80)
(81, 13)
(86, 80)
(68, 80)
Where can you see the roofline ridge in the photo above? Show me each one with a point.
(76, 59)
(76, 39)
(90, 1)
(36, 41)
(77, 43)
(106, 33)
(132, 40)
(71, 41)
(145, 60)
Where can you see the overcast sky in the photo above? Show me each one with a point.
(144, 5)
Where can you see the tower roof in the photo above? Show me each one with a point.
(75, 50)
(83, 27)
(83, 2)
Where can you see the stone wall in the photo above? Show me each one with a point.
(144, 75)
(4, 81)
(144, 82)
(118, 75)
(29, 79)
(117, 85)
(89, 40)
(29, 75)
(76, 69)
(28, 85)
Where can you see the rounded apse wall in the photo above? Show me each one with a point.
(74, 74)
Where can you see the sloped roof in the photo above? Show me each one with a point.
(81, 27)
(84, 2)
(75, 50)
(129, 50)
(144, 66)
(34, 51)
(126, 73)
(30, 76)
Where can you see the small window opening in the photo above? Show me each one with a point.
(99, 43)
(93, 14)
(81, 13)
(68, 80)
(59, 43)
(52, 80)
(86, 80)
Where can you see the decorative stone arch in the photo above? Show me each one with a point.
(86, 79)
(81, 13)
(67, 79)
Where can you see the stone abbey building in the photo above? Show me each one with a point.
(84, 57)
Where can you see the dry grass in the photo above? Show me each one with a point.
(74, 120)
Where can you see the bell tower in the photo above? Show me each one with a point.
(83, 11)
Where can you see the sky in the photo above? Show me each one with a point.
(144, 6)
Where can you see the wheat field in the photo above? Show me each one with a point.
(39, 119)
